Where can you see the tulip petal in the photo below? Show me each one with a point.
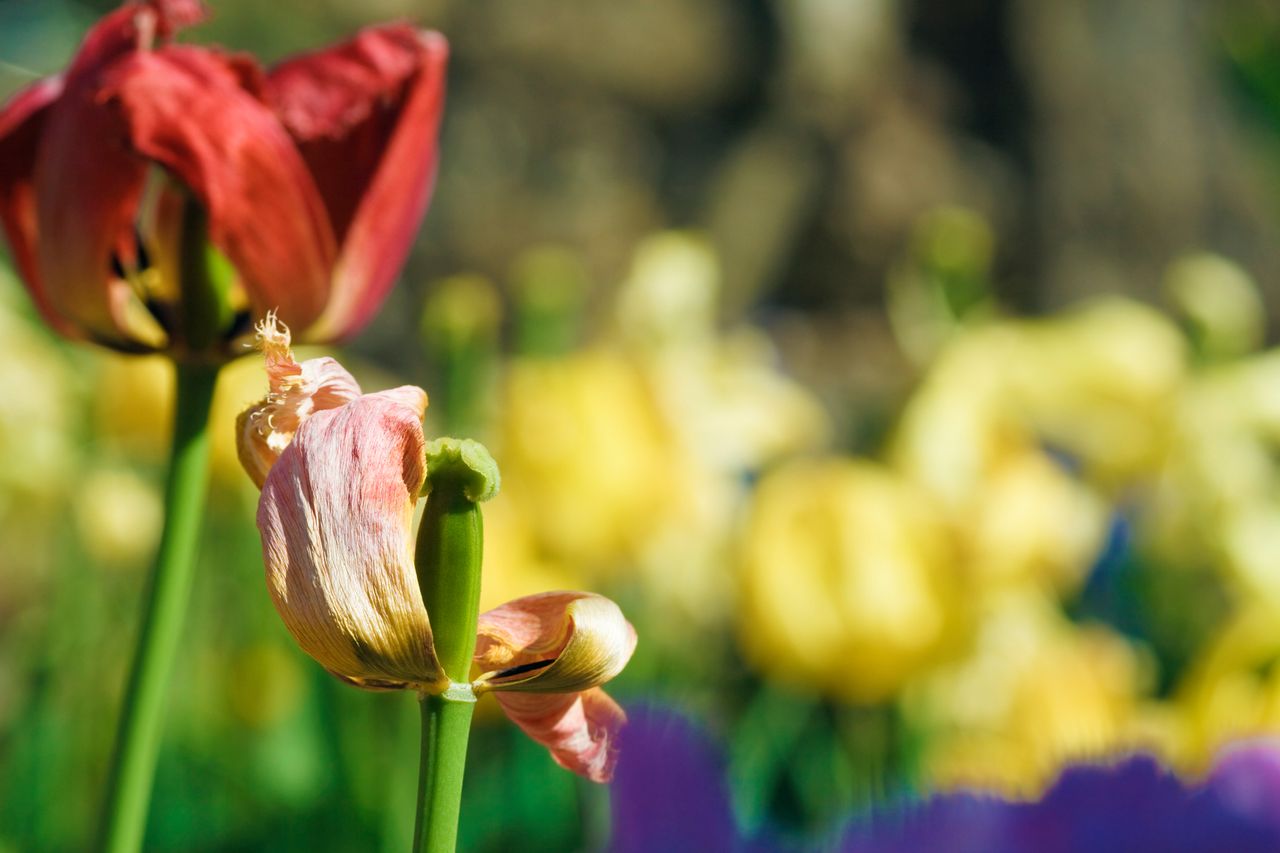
(335, 516)
(580, 729)
(296, 392)
(366, 116)
(553, 642)
(69, 189)
(87, 185)
(22, 122)
(197, 113)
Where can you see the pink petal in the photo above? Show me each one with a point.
(197, 113)
(366, 116)
(524, 631)
(546, 654)
(336, 516)
(580, 729)
(22, 123)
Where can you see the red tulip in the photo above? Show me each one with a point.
(310, 179)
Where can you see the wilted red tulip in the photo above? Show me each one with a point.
(310, 181)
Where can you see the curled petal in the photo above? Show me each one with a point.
(580, 729)
(297, 391)
(554, 642)
(335, 518)
(366, 115)
(197, 113)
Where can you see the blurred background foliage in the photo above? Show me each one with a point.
(901, 366)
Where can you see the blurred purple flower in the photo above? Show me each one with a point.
(1133, 805)
(669, 790)
(670, 794)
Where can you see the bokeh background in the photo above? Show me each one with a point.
(901, 366)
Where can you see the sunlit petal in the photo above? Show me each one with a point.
(336, 516)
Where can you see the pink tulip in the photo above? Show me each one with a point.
(341, 473)
(311, 179)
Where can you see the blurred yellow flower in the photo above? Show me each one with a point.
(634, 457)
(1233, 690)
(586, 454)
(513, 565)
(118, 517)
(1099, 383)
(848, 579)
(1217, 501)
(966, 437)
(1034, 693)
(39, 412)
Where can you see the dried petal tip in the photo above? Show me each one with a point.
(273, 340)
(464, 462)
(296, 391)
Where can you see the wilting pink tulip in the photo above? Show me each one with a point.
(311, 179)
(341, 473)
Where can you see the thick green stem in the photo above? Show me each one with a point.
(446, 725)
(450, 549)
(138, 737)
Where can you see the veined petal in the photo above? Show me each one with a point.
(197, 113)
(366, 116)
(335, 518)
(553, 642)
(296, 392)
(22, 122)
(580, 729)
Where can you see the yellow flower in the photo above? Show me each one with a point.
(1232, 690)
(587, 455)
(1033, 694)
(848, 579)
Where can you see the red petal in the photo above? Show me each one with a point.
(87, 185)
(76, 188)
(22, 122)
(194, 112)
(580, 729)
(366, 116)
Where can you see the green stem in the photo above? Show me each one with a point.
(449, 554)
(446, 726)
(138, 737)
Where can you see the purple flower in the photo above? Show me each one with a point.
(670, 794)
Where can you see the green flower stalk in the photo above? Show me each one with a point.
(341, 473)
